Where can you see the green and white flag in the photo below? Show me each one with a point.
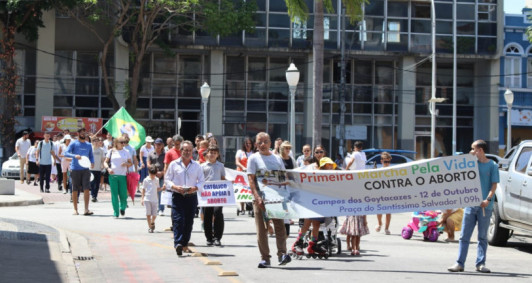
(123, 123)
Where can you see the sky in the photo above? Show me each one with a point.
(514, 6)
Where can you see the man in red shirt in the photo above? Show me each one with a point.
(174, 153)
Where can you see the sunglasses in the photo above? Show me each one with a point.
(319, 152)
(123, 142)
(385, 161)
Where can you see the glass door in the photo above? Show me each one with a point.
(231, 146)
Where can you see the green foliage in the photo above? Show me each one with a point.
(528, 31)
(24, 16)
(298, 10)
(226, 17)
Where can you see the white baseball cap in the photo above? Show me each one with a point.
(67, 137)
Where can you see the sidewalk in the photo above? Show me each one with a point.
(20, 198)
(28, 194)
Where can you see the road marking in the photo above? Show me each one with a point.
(204, 258)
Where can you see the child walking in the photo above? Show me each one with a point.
(354, 227)
(150, 187)
(213, 170)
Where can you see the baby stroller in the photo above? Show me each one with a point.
(425, 222)
(328, 241)
(247, 207)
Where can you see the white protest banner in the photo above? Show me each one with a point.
(442, 183)
(216, 193)
(241, 187)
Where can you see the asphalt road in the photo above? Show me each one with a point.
(121, 250)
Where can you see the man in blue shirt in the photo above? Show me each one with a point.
(79, 171)
(488, 173)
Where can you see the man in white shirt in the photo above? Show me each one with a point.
(357, 160)
(184, 177)
(108, 143)
(21, 147)
(57, 145)
(306, 153)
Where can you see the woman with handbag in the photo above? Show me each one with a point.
(116, 163)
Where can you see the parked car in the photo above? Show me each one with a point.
(494, 157)
(398, 157)
(512, 209)
(11, 167)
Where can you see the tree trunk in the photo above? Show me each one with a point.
(317, 52)
(134, 86)
(108, 91)
(8, 84)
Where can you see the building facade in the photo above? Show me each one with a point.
(388, 77)
(516, 75)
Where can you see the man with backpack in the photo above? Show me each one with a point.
(45, 153)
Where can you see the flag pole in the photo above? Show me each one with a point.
(107, 122)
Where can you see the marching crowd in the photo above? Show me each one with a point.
(180, 169)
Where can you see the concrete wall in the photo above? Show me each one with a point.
(407, 108)
(44, 89)
(486, 119)
(216, 81)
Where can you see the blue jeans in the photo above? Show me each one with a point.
(183, 210)
(44, 176)
(95, 183)
(472, 216)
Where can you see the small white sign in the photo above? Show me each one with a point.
(353, 132)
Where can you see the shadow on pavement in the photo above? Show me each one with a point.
(522, 247)
(469, 273)
(26, 257)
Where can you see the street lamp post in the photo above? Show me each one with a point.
(292, 78)
(205, 92)
(179, 125)
(509, 98)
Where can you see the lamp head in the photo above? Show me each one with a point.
(292, 75)
(509, 97)
(205, 91)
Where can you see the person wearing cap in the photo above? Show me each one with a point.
(321, 163)
(21, 147)
(65, 161)
(156, 157)
(79, 171)
(144, 152)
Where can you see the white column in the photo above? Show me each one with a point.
(44, 93)
(216, 82)
(121, 70)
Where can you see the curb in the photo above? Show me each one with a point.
(68, 260)
(21, 198)
(82, 265)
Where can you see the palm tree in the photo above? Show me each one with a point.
(298, 12)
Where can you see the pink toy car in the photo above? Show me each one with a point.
(425, 222)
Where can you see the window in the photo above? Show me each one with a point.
(393, 31)
(529, 69)
(299, 29)
(512, 66)
(522, 160)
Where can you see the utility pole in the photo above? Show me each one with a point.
(342, 88)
